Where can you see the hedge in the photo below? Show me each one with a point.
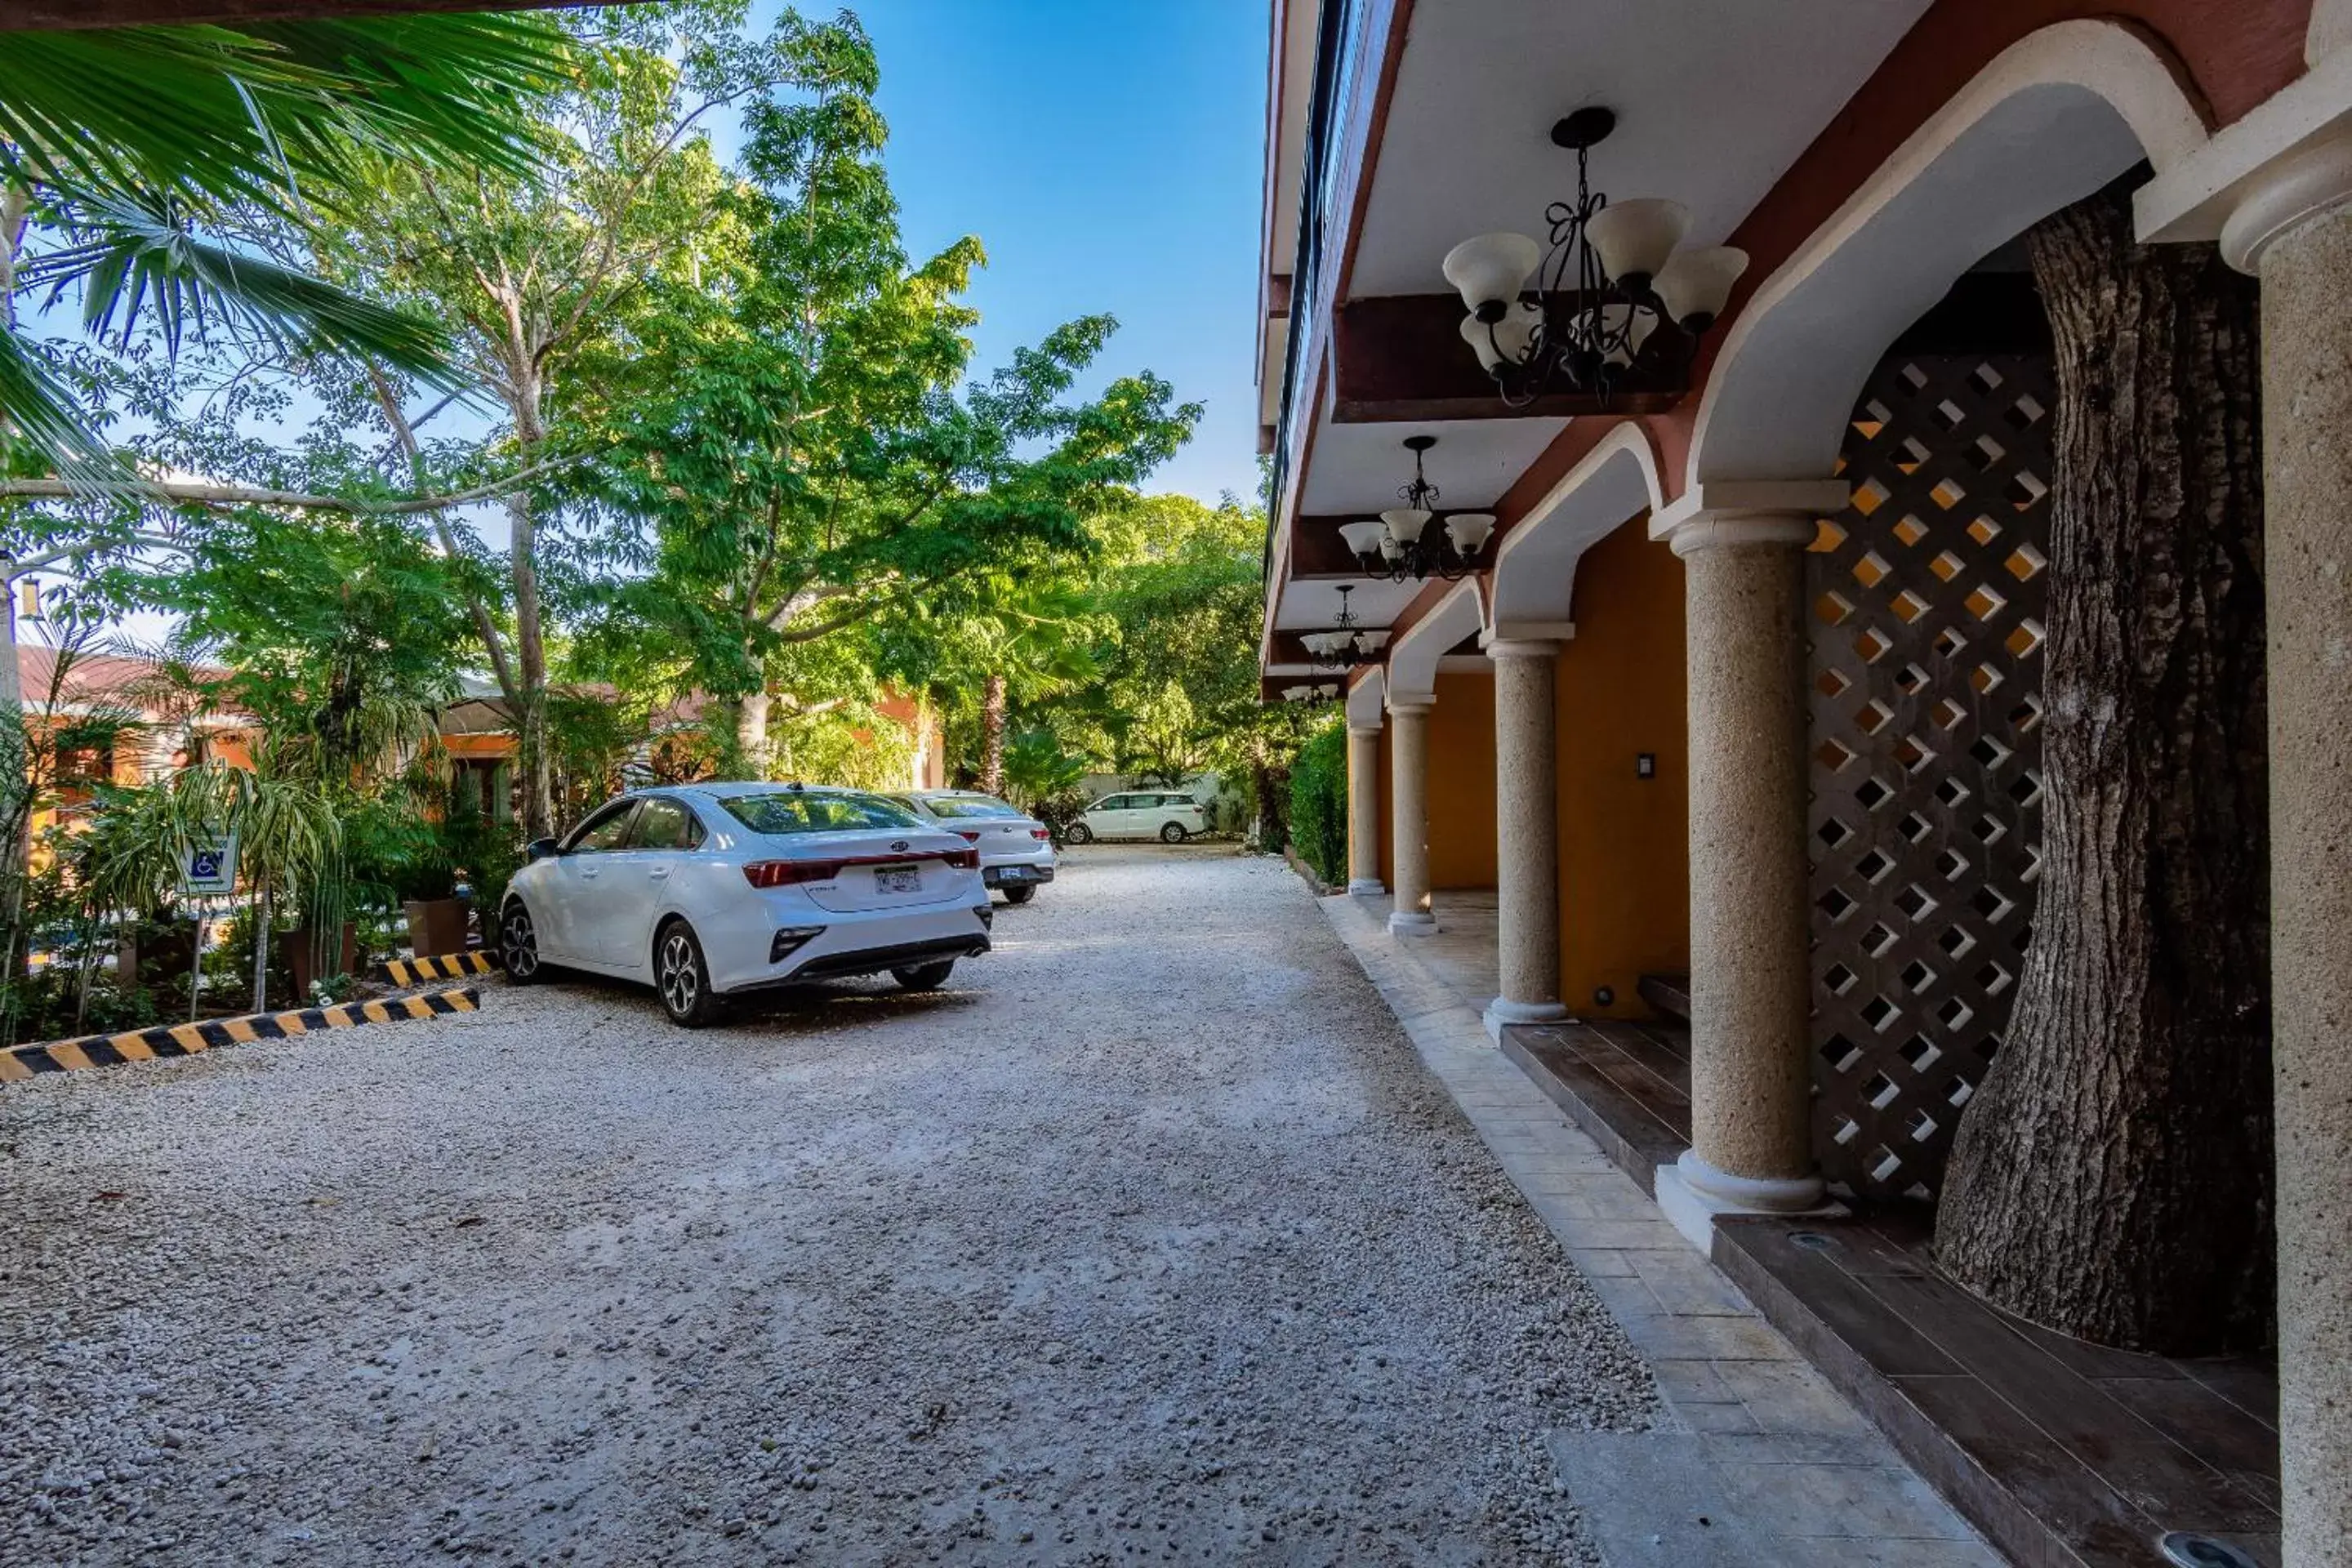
(1319, 803)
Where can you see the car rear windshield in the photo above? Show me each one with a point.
(794, 811)
(968, 805)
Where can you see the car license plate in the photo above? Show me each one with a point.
(898, 880)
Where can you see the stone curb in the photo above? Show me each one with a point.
(186, 1040)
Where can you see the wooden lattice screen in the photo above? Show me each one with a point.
(1927, 600)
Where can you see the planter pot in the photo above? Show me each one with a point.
(435, 926)
(168, 951)
(300, 951)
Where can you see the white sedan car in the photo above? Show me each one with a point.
(1157, 814)
(710, 890)
(1016, 852)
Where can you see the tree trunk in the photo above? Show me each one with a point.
(751, 731)
(260, 950)
(2112, 1177)
(530, 656)
(992, 736)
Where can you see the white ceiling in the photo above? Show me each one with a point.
(1357, 469)
(1312, 606)
(1714, 99)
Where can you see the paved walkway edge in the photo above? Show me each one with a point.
(23, 1062)
(1761, 1462)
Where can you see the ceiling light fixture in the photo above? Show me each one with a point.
(1578, 318)
(1399, 546)
(1347, 645)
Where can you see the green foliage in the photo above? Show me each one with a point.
(128, 141)
(1319, 803)
(807, 457)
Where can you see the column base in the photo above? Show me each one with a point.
(1416, 924)
(1501, 1011)
(1691, 1194)
(1373, 885)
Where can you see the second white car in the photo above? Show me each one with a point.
(1017, 851)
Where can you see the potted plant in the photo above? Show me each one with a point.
(437, 913)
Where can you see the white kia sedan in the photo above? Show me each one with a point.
(1157, 814)
(1016, 852)
(710, 890)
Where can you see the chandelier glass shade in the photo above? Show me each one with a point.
(1324, 692)
(1401, 547)
(1581, 315)
(1346, 645)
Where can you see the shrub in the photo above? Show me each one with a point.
(1319, 803)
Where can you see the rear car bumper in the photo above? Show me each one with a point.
(875, 960)
(1014, 874)
(850, 942)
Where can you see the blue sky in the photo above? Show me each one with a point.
(1109, 155)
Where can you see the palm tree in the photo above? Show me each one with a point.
(130, 142)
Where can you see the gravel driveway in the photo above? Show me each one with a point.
(1148, 1239)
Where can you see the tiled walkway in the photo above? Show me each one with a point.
(1762, 1465)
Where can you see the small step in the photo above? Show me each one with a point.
(1668, 992)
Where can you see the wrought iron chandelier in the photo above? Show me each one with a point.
(1346, 645)
(1399, 546)
(1579, 317)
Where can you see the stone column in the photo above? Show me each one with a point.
(1409, 816)
(2295, 233)
(1751, 1078)
(1526, 826)
(1364, 809)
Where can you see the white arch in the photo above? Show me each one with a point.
(1364, 699)
(1412, 657)
(2052, 117)
(1535, 570)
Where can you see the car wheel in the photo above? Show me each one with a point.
(682, 977)
(924, 976)
(1174, 833)
(519, 945)
(1020, 895)
(1079, 833)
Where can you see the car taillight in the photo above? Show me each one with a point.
(1041, 833)
(968, 835)
(786, 873)
(962, 860)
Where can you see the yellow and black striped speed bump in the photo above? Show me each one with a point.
(187, 1040)
(449, 966)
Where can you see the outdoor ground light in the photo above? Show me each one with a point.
(1400, 545)
(1577, 318)
(1346, 645)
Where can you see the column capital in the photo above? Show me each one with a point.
(1411, 702)
(1718, 512)
(2284, 193)
(1365, 731)
(1526, 639)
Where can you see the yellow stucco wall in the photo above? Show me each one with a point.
(1624, 841)
(1462, 783)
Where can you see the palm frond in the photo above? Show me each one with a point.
(137, 260)
(39, 410)
(225, 114)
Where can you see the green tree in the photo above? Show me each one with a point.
(549, 279)
(803, 462)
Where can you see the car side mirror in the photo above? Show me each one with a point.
(541, 848)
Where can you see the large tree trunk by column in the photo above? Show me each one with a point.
(2111, 1176)
(992, 735)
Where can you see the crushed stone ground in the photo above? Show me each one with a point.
(1148, 1240)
